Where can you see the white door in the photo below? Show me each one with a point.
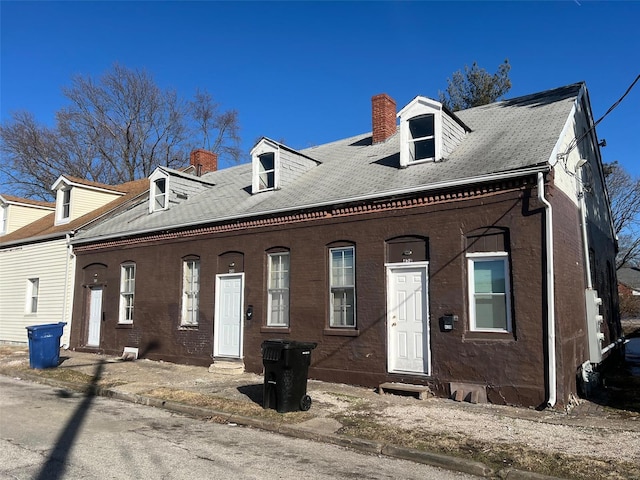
(227, 335)
(408, 319)
(95, 316)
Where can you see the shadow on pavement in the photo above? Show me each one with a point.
(55, 465)
(255, 393)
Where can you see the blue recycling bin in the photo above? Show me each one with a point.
(44, 345)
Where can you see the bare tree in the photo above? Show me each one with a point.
(624, 195)
(116, 128)
(475, 87)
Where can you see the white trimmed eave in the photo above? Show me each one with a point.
(389, 193)
(64, 180)
(4, 201)
(36, 239)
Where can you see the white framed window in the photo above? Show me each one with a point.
(4, 210)
(66, 203)
(190, 291)
(160, 194)
(342, 288)
(422, 141)
(33, 292)
(278, 290)
(265, 161)
(420, 131)
(489, 292)
(158, 190)
(266, 171)
(127, 292)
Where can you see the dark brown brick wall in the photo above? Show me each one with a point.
(512, 366)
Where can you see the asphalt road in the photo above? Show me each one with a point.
(47, 433)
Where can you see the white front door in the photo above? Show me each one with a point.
(408, 319)
(227, 334)
(95, 316)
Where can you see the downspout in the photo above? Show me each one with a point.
(551, 319)
(69, 251)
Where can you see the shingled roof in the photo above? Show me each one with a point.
(515, 136)
(45, 227)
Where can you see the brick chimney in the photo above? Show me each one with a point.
(204, 161)
(383, 117)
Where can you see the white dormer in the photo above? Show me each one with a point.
(420, 131)
(17, 212)
(265, 161)
(77, 197)
(159, 188)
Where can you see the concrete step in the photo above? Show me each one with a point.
(227, 367)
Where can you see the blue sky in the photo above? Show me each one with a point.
(305, 72)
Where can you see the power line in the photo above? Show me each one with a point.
(574, 143)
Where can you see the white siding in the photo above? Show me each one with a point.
(452, 134)
(49, 262)
(292, 166)
(84, 201)
(18, 216)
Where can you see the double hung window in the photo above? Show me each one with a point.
(190, 291)
(342, 287)
(33, 291)
(489, 292)
(278, 290)
(422, 141)
(266, 171)
(127, 290)
(160, 194)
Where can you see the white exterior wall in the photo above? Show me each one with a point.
(18, 216)
(49, 262)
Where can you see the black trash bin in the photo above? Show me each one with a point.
(44, 345)
(286, 366)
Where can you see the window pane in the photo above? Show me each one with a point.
(421, 127)
(267, 161)
(489, 276)
(343, 307)
(190, 293)
(491, 311)
(425, 149)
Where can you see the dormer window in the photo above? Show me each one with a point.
(159, 191)
(265, 159)
(266, 171)
(160, 194)
(66, 204)
(422, 142)
(420, 132)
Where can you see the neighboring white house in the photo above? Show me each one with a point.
(37, 264)
(17, 212)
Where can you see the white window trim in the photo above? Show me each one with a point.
(352, 287)
(271, 290)
(158, 174)
(123, 294)
(187, 319)
(265, 146)
(419, 107)
(4, 214)
(60, 204)
(29, 304)
(488, 256)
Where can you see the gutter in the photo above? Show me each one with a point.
(435, 186)
(551, 319)
(41, 238)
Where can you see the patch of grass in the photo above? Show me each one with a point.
(226, 405)
(495, 455)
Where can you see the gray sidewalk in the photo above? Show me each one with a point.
(382, 424)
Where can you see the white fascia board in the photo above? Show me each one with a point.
(422, 101)
(18, 203)
(66, 181)
(41, 238)
(264, 145)
(389, 193)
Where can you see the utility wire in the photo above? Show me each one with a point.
(574, 143)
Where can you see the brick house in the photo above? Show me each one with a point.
(469, 252)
